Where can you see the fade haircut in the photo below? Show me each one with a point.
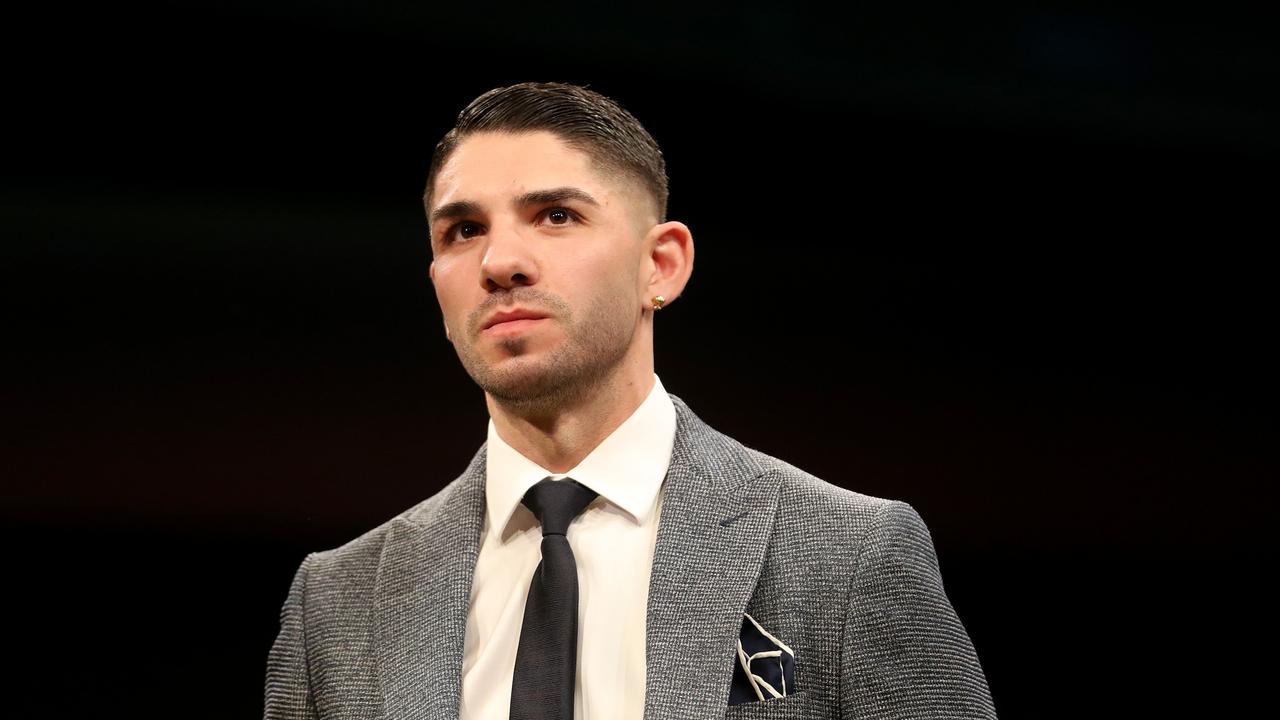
(583, 119)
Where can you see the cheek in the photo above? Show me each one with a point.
(617, 288)
(446, 279)
(441, 290)
(450, 294)
(617, 269)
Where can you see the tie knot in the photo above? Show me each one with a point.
(557, 502)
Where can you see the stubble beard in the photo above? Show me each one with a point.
(593, 348)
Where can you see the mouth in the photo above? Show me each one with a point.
(512, 320)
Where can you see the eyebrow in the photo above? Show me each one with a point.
(452, 210)
(462, 208)
(554, 195)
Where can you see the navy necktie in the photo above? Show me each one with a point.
(547, 659)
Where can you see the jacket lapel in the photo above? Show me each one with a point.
(717, 515)
(422, 595)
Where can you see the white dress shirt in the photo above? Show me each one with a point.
(612, 541)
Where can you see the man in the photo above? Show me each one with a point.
(606, 554)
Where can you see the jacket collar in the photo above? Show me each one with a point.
(421, 597)
(717, 516)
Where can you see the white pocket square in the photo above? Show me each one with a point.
(764, 668)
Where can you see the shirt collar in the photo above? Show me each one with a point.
(626, 469)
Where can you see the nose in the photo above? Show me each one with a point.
(508, 261)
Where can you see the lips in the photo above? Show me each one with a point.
(510, 316)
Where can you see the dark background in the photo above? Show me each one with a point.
(1011, 263)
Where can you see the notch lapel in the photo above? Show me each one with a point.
(422, 596)
(717, 515)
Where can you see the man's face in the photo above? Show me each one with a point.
(524, 225)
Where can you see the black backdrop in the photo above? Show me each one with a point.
(1010, 263)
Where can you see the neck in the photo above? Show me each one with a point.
(559, 435)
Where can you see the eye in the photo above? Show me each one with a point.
(560, 216)
(464, 230)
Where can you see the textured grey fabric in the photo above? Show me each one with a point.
(374, 629)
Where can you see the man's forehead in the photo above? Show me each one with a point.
(505, 157)
(508, 165)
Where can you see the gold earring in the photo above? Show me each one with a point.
(658, 302)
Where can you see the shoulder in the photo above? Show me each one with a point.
(836, 512)
(799, 486)
(355, 563)
(352, 565)
(829, 508)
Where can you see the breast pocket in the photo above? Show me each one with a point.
(791, 707)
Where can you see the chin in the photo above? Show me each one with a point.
(517, 379)
(534, 371)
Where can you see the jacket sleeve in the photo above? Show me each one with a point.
(905, 652)
(288, 682)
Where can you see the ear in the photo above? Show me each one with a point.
(669, 248)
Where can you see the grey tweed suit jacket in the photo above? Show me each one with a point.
(374, 629)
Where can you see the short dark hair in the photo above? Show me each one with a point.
(584, 119)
